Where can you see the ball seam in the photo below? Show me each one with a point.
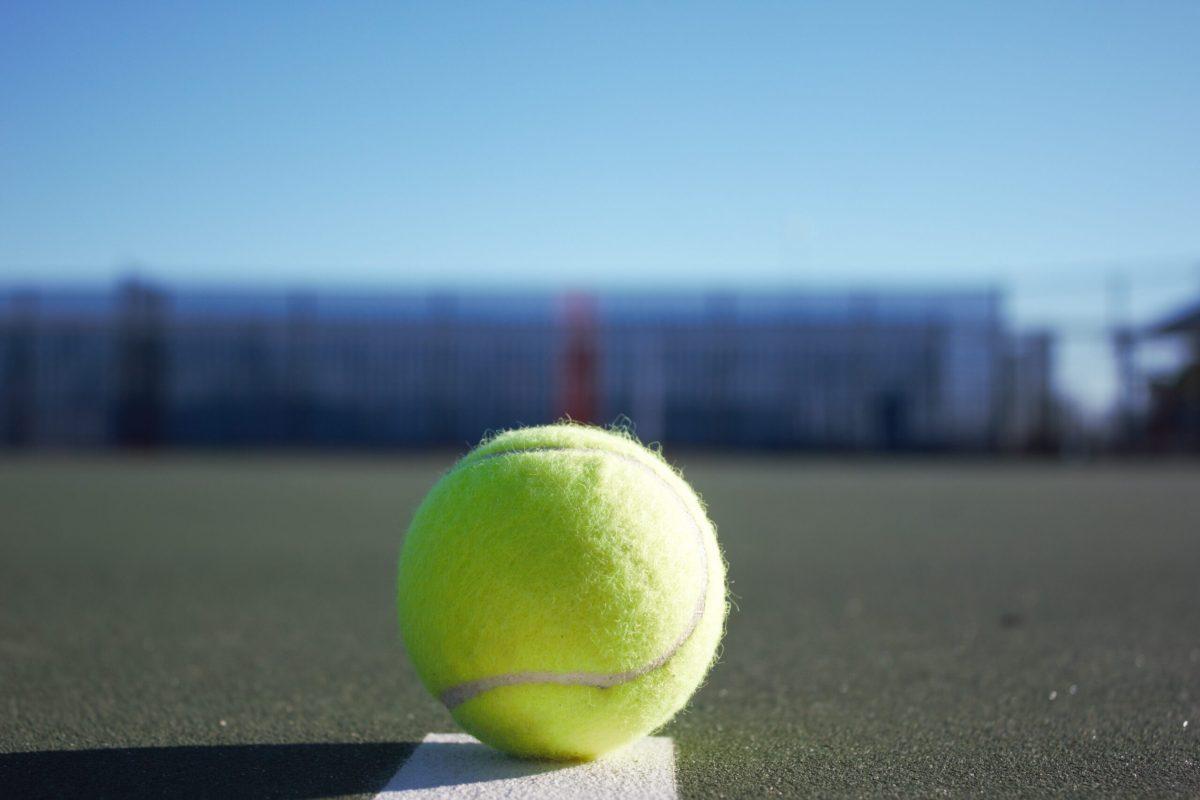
(460, 693)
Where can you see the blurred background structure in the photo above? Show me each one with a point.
(141, 367)
(1173, 419)
(887, 370)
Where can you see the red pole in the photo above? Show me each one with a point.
(580, 359)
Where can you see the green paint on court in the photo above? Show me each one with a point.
(901, 628)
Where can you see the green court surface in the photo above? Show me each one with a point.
(223, 627)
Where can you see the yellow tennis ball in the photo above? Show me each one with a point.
(561, 591)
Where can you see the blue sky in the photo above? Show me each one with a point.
(1040, 146)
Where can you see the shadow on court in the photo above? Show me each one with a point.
(191, 772)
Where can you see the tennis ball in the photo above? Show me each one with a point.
(561, 591)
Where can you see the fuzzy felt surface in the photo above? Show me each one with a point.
(569, 550)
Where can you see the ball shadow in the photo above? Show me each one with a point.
(236, 772)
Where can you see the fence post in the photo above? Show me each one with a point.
(140, 414)
(20, 371)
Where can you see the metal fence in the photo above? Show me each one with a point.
(138, 366)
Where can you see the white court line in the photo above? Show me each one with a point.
(454, 766)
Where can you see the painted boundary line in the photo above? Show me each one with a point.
(456, 766)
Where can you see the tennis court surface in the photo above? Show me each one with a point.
(224, 627)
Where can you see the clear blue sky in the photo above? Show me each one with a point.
(562, 143)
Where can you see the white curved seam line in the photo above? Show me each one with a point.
(461, 693)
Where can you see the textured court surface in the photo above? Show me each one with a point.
(215, 627)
